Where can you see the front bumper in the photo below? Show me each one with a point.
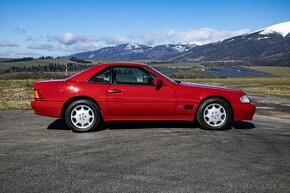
(47, 108)
(243, 111)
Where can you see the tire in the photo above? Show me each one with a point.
(82, 116)
(214, 114)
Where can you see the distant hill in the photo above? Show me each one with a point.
(268, 45)
(134, 51)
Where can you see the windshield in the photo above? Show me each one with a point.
(175, 82)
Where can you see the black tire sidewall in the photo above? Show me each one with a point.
(207, 102)
(96, 112)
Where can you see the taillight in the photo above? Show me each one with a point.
(37, 94)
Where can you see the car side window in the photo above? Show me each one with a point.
(132, 75)
(102, 77)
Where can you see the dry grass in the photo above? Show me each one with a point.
(275, 70)
(281, 90)
(278, 86)
(243, 81)
(16, 94)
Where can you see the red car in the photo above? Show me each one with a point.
(136, 92)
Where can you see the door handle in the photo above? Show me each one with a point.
(114, 91)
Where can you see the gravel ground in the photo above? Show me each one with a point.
(39, 154)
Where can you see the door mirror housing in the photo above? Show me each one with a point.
(158, 83)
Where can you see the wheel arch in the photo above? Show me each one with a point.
(68, 102)
(220, 97)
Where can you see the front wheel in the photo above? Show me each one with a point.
(82, 116)
(214, 114)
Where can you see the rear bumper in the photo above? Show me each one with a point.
(244, 111)
(47, 108)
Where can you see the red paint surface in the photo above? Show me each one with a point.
(135, 102)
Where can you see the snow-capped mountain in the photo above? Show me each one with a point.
(268, 44)
(281, 28)
(133, 46)
(130, 51)
(134, 51)
(180, 47)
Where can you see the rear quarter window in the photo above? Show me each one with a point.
(102, 77)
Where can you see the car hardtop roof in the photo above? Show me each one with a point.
(84, 75)
(123, 64)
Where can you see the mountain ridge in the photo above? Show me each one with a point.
(270, 43)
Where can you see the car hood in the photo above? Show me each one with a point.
(210, 87)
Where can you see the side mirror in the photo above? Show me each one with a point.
(158, 83)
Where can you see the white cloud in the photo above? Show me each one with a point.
(25, 53)
(113, 40)
(71, 39)
(147, 38)
(195, 36)
(4, 43)
(201, 36)
(41, 46)
(69, 43)
(67, 38)
(19, 30)
(6, 54)
(73, 43)
(80, 48)
(18, 54)
(29, 38)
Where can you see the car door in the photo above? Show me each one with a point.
(132, 93)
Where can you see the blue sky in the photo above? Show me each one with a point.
(62, 27)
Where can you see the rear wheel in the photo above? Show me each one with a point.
(214, 113)
(82, 116)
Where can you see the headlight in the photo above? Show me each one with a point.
(245, 99)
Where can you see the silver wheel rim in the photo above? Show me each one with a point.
(214, 114)
(82, 116)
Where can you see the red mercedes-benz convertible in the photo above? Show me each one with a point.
(136, 92)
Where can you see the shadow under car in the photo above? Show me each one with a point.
(59, 124)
